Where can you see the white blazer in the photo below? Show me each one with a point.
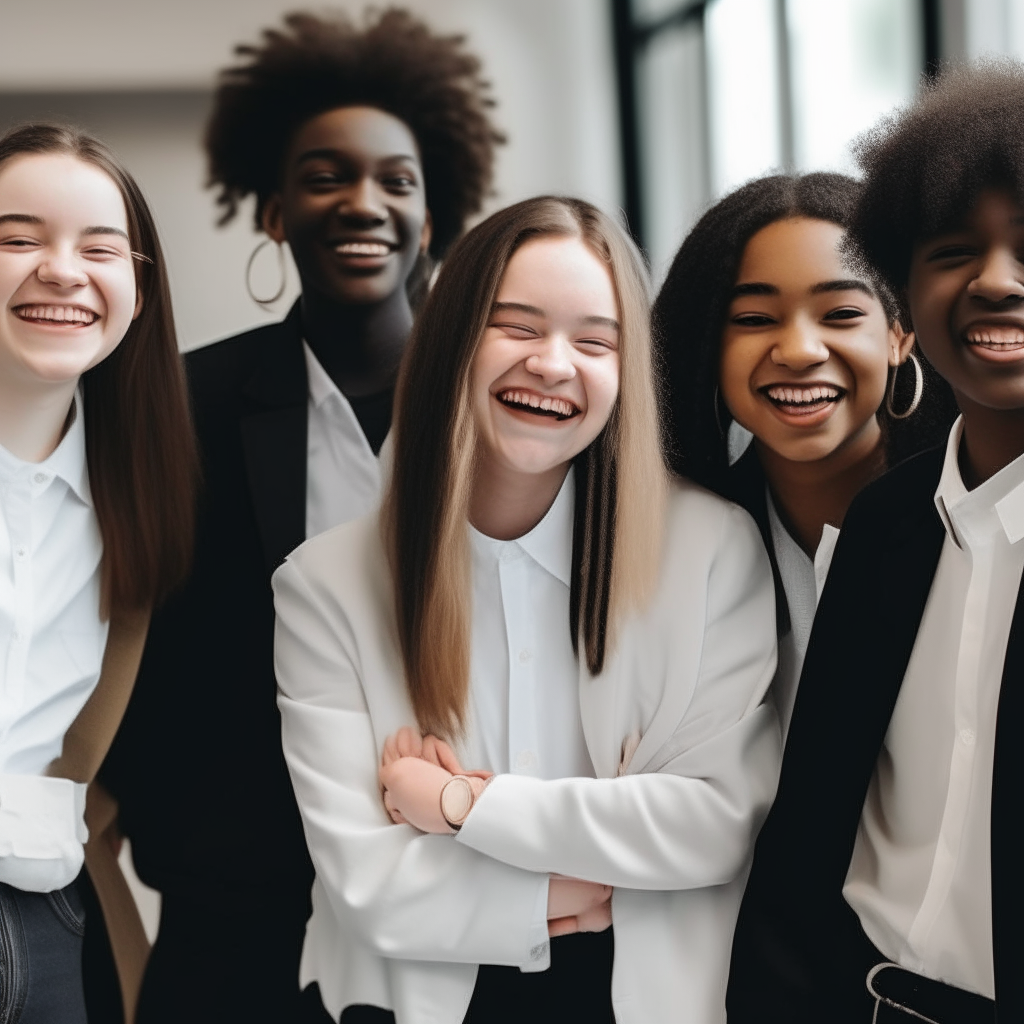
(402, 919)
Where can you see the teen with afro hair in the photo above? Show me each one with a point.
(887, 883)
(366, 145)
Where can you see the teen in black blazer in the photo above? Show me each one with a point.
(363, 173)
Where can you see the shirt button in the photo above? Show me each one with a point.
(526, 759)
(524, 655)
(40, 478)
(967, 737)
(20, 552)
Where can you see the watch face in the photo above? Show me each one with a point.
(456, 799)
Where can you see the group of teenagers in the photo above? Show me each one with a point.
(455, 629)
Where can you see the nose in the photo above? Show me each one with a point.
(61, 268)
(552, 361)
(798, 345)
(1000, 281)
(362, 202)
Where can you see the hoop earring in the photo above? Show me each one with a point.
(281, 267)
(918, 391)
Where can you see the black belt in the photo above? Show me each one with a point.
(902, 996)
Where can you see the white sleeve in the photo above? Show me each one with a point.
(405, 894)
(42, 829)
(690, 820)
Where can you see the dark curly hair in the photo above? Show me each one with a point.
(690, 312)
(393, 62)
(926, 164)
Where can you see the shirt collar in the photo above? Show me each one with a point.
(549, 543)
(321, 387)
(1002, 493)
(67, 461)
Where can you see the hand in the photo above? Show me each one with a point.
(577, 906)
(407, 742)
(101, 817)
(412, 793)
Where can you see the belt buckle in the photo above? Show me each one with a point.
(879, 998)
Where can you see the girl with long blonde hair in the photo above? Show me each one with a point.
(538, 600)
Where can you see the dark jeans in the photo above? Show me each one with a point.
(576, 988)
(41, 957)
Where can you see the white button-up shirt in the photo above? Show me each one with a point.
(802, 580)
(51, 649)
(920, 877)
(343, 476)
(524, 677)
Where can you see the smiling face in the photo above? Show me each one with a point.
(352, 206)
(806, 346)
(67, 282)
(966, 297)
(545, 376)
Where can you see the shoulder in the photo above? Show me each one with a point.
(344, 568)
(897, 500)
(227, 364)
(708, 534)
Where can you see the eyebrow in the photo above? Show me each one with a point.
(522, 307)
(326, 153)
(31, 218)
(762, 288)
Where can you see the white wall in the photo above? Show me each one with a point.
(139, 74)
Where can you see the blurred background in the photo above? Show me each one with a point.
(655, 107)
(652, 107)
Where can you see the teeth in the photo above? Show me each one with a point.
(57, 314)
(547, 403)
(1001, 336)
(803, 396)
(362, 249)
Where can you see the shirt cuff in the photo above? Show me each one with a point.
(42, 829)
(540, 944)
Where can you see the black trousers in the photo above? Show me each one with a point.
(41, 957)
(575, 989)
(226, 955)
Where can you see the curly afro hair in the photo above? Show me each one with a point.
(926, 164)
(393, 62)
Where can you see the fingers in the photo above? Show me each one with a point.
(410, 742)
(438, 752)
(390, 754)
(393, 811)
(597, 919)
(568, 897)
(562, 926)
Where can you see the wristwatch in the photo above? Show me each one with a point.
(456, 801)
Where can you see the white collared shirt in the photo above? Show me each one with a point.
(343, 476)
(802, 580)
(920, 877)
(524, 676)
(51, 649)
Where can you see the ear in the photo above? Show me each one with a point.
(271, 219)
(426, 234)
(900, 343)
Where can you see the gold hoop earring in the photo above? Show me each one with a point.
(918, 391)
(281, 267)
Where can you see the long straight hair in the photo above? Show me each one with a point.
(621, 480)
(140, 446)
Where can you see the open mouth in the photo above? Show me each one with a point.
(539, 405)
(802, 399)
(364, 248)
(996, 337)
(57, 316)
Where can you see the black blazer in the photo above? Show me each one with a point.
(197, 764)
(799, 953)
